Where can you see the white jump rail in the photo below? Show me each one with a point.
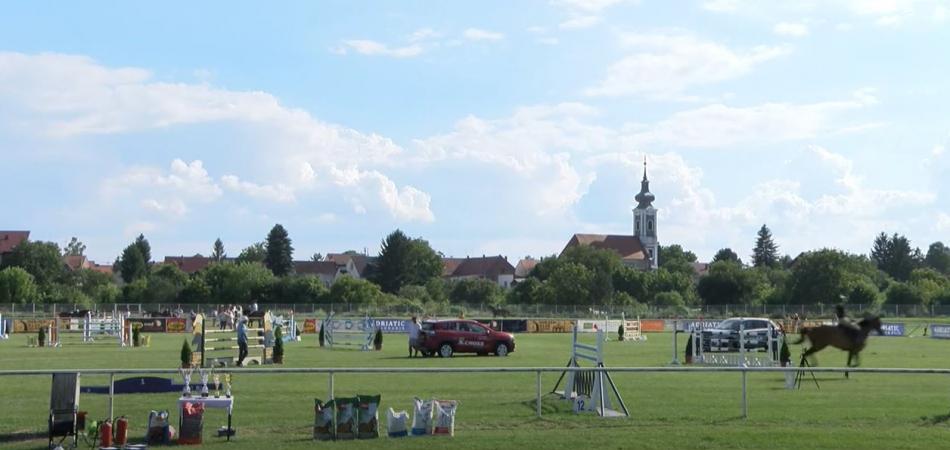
(330, 372)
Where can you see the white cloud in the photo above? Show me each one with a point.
(721, 5)
(938, 150)
(165, 195)
(278, 192)
(791, 29)
(592, 6)
(579, 22)
(548, 40)
(477, 34)
(424, 34)
(406, 203)
(374, 48)
(665, 65)
(719, 125)
(888, 13)
(943, 222)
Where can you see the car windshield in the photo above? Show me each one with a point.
(730, 324)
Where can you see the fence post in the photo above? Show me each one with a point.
(111, 394)
(745, 401)
(539, 394)
(331, 385)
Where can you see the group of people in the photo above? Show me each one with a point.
(229, 316)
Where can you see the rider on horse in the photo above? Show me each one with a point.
(851, 329)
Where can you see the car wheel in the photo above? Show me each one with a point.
(501, 349)
(446, 350)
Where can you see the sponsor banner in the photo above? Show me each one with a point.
(30, 325)
(506, 325)
(892, 329)
(391, 325)
(692, 324)
(175, 325)
(939, 331)
(149, 324)
(310, 326)
(591, 326)
(652, 325)
(550, 326)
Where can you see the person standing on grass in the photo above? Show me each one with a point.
(242, 340)
(413, 328)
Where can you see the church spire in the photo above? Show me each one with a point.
(644, 198)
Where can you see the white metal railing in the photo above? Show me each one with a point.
(330, 372)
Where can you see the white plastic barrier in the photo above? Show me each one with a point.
(348, 332)
(588, 388)
(87, 329)
(4, 334)
(288, 327)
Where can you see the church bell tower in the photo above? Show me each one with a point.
(644, 219)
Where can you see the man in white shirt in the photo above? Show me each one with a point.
(413, 328)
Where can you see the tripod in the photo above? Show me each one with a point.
(801, 373)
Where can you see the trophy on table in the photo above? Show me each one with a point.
(217, 385)
(186, 376)
(227, 385)
(204, 381)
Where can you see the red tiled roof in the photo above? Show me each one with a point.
(486, 267)
(628, 247)
(328, 268)
(361, 262)
(525, 266)
(101, 268)
(10, 239)
(189, 264)
(449, 265)
(76, 262)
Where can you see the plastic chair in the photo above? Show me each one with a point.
(64, 408)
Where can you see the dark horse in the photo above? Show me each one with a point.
(835, 336)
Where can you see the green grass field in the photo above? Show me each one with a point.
(695, 410)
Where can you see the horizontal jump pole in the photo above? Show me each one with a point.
(392, 370)
(231, 331)
(232, 339)
(231, 347)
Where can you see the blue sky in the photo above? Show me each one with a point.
(485, 127)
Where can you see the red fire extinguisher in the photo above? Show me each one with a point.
(121, 431)
(105, 434)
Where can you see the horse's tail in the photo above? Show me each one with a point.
(801, 338)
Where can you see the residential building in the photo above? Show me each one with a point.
(494, 268)
(326, 271)
(9, 240)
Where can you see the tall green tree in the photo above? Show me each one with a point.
(824, 276)
(354, 291)
(728, 283)
(894, 256)
(132, 265)
(476, 291)
(422, 263)
(74, 248)
(938, 258)
(254, 253)
(42, 260)
(231, 283)
(280, 253)
(17, 286)
(677, 259)
(765, 252)
(393, 265)
(726, 254)
(144, 248)
(217, 251)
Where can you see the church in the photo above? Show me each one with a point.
(639, 250)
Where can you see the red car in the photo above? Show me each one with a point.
(448, 337)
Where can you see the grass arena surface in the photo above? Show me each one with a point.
(695, 410)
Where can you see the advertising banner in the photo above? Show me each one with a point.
(310, 326)
(175, 325)
(591, 326)
(892, 329)
(692, 324)
(391, 325)
(30, 325)
(149, 324)
(939, 331)
(652, 325)
(550, 326)
(507, 325)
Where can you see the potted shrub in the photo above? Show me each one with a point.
(620, 332)
(185, 354)
(278, 345)
(42, 337)
(378, 339)
(320, 335)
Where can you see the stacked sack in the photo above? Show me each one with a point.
(347, 418)
(430, 417)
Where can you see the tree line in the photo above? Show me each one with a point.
(408, 272)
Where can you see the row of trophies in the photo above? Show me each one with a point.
(205, 374)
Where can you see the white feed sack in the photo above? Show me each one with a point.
(397, 423)
(444, 417)
(421, 417)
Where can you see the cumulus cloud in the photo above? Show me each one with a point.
(791, 29)
(276, 192)
(167, 194)
(477, 34)
(665, 65)
(579, 22)
(373, 48)
(406, 203)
